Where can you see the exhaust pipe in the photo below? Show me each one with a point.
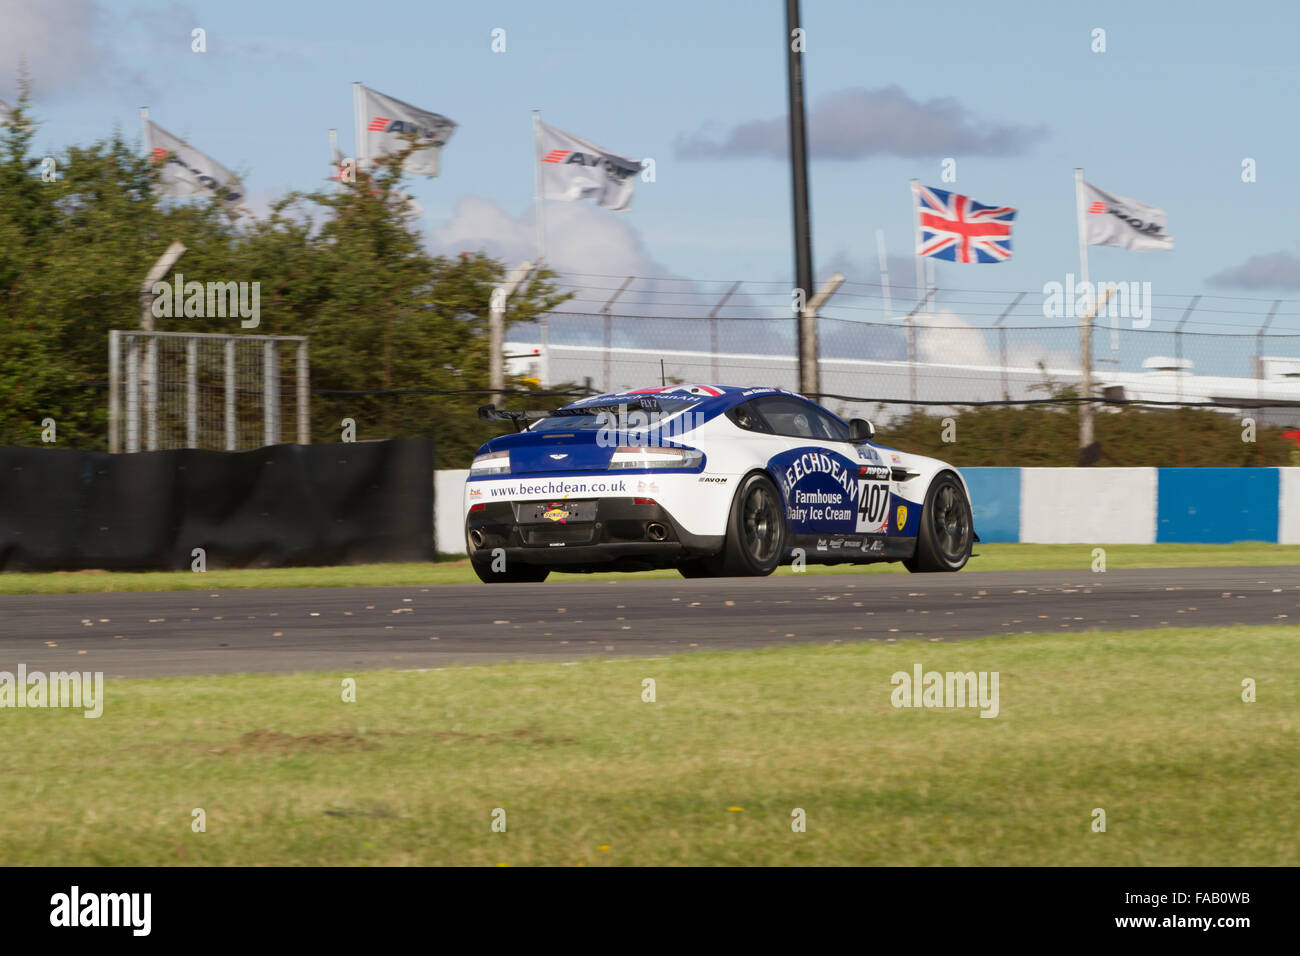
(656, 531)
(476, 538)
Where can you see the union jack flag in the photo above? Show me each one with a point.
(959, 229)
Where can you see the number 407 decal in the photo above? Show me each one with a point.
(873, 506)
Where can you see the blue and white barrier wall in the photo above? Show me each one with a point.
(1136, 505)
(1076, 505)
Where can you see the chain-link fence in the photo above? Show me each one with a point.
(883, 356)
(920, 361)
(201, 390)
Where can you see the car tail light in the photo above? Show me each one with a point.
(478, 507)
(493, 463)
(640, 456)
(644, 501)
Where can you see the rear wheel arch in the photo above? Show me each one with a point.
(738, 555)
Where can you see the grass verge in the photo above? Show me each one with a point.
(456, 570)
(1148, 725)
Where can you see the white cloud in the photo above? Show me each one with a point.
(950, 339)
(580, 238)
(593, 249)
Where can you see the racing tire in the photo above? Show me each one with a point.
(756, 531)
(515, 572)
(946, 535)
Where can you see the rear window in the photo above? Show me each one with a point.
(637, 419)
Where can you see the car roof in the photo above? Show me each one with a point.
(714, 397)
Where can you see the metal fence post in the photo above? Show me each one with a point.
(114, 392)
(132, 393)
(191, 393)
(713, 331)
(1259, 347)
(809, 354)
(911, 346)
(1002, 343)
(1178, 369)
(609, 331)
(497, 328)
(151, 393)
(270, 393)
(232, 437)
(1005, 412)
(304, 395)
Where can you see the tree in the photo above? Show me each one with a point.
(342, 266)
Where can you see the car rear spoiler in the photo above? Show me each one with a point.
(520, 419)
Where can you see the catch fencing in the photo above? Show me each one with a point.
(922, 362)
(171, 390)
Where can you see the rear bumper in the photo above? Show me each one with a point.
(617, 534)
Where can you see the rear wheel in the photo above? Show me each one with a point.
(755, 532)
(944, 540)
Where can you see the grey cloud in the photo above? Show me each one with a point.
(857, 123)
(59, 44)
(65, 45)
(1279, 270)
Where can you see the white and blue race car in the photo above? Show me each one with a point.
(712, 480)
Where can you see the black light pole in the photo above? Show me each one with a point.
(807, 328)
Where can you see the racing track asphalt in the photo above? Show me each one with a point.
(285, 630)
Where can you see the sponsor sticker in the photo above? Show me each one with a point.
(902, 516)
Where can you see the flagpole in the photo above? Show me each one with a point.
(144, 127)
(358, 123)
(537, 185)
(916, 239)
(538, 206)
(1085, 321)
(884, 274)
(929, 283)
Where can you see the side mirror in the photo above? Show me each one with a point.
(861, 430)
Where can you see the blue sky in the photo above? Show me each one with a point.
(1166, 115)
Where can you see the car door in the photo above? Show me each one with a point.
(836, 492)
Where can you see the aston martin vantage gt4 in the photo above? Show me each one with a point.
(711, 480)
